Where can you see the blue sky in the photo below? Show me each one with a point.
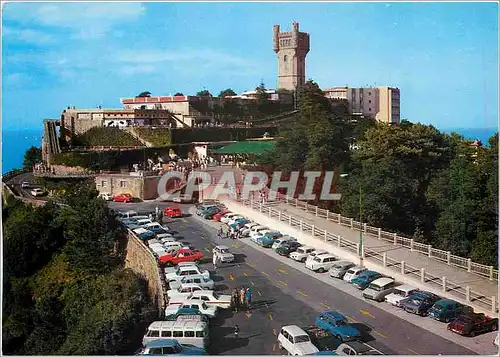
(443, 56)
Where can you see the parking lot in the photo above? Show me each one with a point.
(284, 295)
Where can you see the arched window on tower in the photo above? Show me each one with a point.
(285, 61)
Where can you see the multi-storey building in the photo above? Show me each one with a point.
(380, 103)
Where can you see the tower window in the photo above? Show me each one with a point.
(285, 58)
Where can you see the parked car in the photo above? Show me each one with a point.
(365, 278)
(184, 269)
(245, 230)
(473, 324)
(321, 263)
(193, 313)
(25, 184)
(337, 324)
(400, 293)
(223, 253)
(358, 348)
(200, 210)
(253, 230)
(219, 215)
(279, 241)
(340, 268)
(37, 192)
(182, 199)
(323, 340)
(106, 196)
(205, 282)
(419, 303)
(167, 347)
(143, 234)
(183, 291)
(233, 222)
(296, 341)
(446, 310)
(302, 253)
(379, 289)
(265, 241)
(228, 216)
(156, 228)
(316, 253)
(210, 297)
(123, 197)
(205, 309)
(182, 255)
(353, 273)
(289, 247)
(173, 212)
(210, 212)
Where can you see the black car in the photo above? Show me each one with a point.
(322, 339)
(288, 247)
(419, 303)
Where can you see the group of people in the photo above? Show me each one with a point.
(232, 233)
(157, 215)
(241, 298)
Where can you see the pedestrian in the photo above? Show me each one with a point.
(215, 261)
(151, 217)
(157, 210)
(232, 235)
(248, 297)
(236, 331)
(221, 231)
(236, 300)
(242, 296)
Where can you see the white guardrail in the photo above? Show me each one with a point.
(427, 249)
(464, 293)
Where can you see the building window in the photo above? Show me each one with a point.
(369, 93)
(369, 101)
(123, 184)
(103, 183)
(369, 109)
(285, 58)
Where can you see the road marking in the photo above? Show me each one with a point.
(258, 292)
(301, 293)
(380, 334)
(282, 271)
(274, 332)
(253, 284)
(245, 273)
(208, 250)
(274, 347)
(231, 276)
(266, 274)
(270, 316)
(364, 312)
(282, 282)
(203, 237)
(248, 314)
(235, 246)
(413, 351)
(351, 319)
(325, 305)
(183, 220)
(250, 265)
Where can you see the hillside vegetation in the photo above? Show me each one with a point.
(65, 289)
(156, 136)
(411, 179)
(105, 136)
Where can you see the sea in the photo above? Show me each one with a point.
(16, 142)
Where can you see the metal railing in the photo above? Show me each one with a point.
(464, 293)
(105, 148)
(48, 173)
(427, 249)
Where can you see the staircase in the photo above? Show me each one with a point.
(132, 132)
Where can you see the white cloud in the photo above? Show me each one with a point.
(87, 20)
(27, 36)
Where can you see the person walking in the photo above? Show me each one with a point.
(242, 296)
(157, 211)
(236, 300)
(248, 298)
(236, 331)
(214, 259)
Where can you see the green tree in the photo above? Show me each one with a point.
(144, 94)
(227, 93)
(204, 93)
(31, 157)
(178, 94)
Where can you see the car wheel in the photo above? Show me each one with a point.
(303, 260)
(494, 327)
(321, 270)
(446, 319)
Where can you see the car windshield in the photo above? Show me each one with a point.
(341, 322)
(317, 259)
(376, 287)
(400, 293)
(216, 295)
(302, 338)
(224, 251)
(205, 306)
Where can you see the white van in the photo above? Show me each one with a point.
(321, 263)
(187, 329)
(296, 341)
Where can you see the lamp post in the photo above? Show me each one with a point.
(361, 243)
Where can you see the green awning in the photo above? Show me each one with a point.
(247, 147)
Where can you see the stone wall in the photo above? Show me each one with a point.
(141, 260)
(115, 184)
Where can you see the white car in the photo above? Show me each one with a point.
(25, 184)
(201, 306)
(223, 253)
(321, 263)
(278, 242)
(37, 192)
(185, 270)
(245, 230)
(210, 297)
(401, 292)
(182, 199)
(353, 273)
(301, 254)
(183, 291)
(106, 196)
(227, 217)
(169, 270)
(296, 341)
(260, 233)
(315, 253)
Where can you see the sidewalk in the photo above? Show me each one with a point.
(413, 258)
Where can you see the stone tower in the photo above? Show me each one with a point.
(291, 48)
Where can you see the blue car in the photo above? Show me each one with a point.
(337, 324)
(239, 222)
(146, 235)
(158, 230)
(365, 278)
(265, 241)
(168, 347)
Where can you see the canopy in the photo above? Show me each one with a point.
(246, 148)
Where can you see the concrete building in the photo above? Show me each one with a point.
(142, 187)
(291, 49)
(78, 121)
(380, 103)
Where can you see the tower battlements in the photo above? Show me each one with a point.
(292, 48)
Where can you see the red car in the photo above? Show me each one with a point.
(182, 255)
(123, 197)
(219, 215)
(473, 324)
(173, 212)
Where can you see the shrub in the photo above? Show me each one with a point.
(105, 136)
(156, 136)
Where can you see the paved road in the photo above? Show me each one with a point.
(293, 297)
(18, 180)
